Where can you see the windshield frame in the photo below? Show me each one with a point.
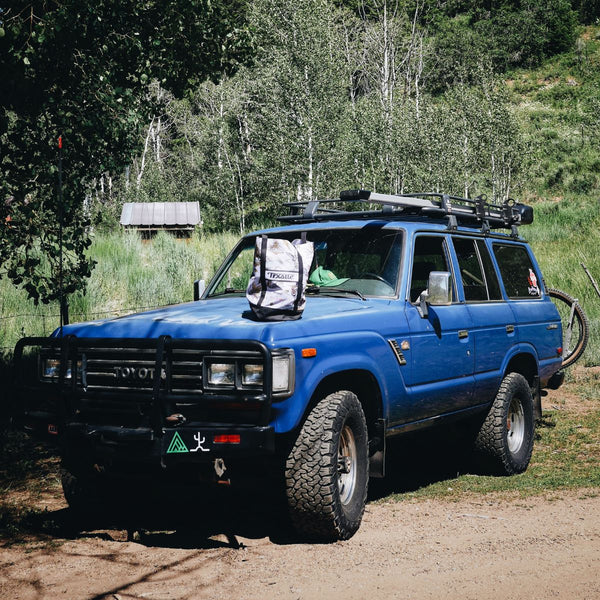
(248, 242)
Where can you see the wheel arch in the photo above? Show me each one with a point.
(526, 364)
(360, 382)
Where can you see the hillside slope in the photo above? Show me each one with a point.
(559, 109)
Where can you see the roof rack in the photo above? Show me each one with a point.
(475, 212)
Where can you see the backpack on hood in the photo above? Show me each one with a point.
(276, 290)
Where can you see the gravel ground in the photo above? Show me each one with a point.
(477, 549)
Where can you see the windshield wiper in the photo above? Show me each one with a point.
(334, 291)
(228, 291)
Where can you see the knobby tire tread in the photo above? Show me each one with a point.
(311, 471)
(490, 444)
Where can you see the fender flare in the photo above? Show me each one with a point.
(290, 412)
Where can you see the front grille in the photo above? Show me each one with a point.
(133, 369)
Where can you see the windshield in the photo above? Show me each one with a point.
(365, 261)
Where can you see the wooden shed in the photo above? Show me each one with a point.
(181, 218)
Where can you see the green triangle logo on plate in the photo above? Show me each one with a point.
(177, 446)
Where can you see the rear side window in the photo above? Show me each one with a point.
(479, 279)
(490, 273)
(517, 272)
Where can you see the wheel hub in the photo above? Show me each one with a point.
(347, 465)
(515, 425)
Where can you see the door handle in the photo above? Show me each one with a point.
(510, 329)
(462, 334)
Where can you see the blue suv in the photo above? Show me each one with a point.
(419, 314)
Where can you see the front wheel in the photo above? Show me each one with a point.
(505, 439)
(327, 470)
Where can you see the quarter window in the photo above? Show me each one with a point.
(517, 272)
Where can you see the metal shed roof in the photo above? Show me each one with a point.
(161, 214)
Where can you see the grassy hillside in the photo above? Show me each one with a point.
(557, 105)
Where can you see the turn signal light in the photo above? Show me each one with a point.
(559, 351)
(227, 438)
(309, 352)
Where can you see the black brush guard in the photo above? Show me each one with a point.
(62, 418)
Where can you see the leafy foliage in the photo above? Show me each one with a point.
(505, 33)
(81, 70)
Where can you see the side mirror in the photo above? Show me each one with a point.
(439, 288)
(438, 292)
(199, 288)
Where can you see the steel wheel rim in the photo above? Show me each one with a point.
(515, 425)
(347, 465)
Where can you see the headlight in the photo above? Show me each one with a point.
(283, 372)
(252, 374)
(221, 374)
(51, 369)
(244, 374)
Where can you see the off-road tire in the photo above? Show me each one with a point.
(325, 500)
(84, 495)
(505, 440)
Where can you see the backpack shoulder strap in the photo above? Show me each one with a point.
(263, 268)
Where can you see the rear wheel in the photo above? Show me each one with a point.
(505, 439)
(327, 470)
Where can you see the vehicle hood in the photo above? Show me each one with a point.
(230, 318)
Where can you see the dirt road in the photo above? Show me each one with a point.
(537, 548)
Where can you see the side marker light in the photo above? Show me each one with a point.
(309, 352)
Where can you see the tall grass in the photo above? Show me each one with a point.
(564, 235)
(131, 274)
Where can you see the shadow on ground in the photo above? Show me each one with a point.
(175, 515)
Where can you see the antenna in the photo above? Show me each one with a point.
(64, 310)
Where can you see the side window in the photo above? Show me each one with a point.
(429, 255)
(490, 273)
(470, 270)
(477, 272)
(517, 272)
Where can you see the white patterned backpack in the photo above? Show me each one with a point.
(276, 290)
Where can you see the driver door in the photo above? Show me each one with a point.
(440, 379)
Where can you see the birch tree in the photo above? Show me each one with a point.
(300, 97)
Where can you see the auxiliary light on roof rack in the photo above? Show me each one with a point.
(475, 212)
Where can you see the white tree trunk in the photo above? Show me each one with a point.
(144, 153)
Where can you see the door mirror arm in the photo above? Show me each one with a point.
(422, 306)
(199, 288)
